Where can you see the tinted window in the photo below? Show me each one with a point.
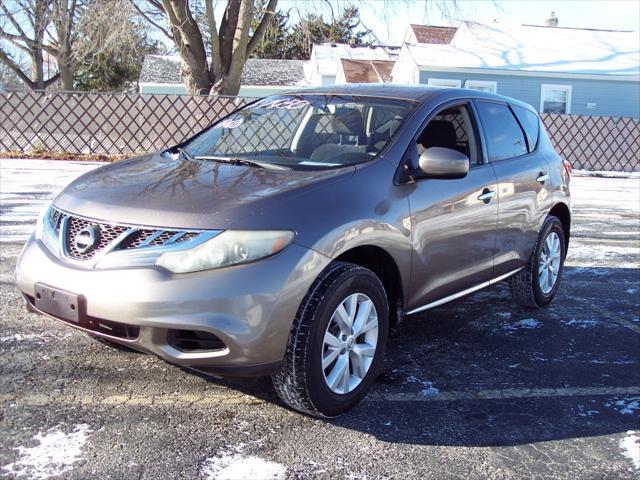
(530, 123)
(503, 134)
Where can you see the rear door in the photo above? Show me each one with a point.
(453, 220)
(523, 180)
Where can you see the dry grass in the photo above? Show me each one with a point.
(48, 155)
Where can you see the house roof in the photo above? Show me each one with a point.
(328, 55)
(367, 71)
(166, 69)
(529, 48)
(433, 34)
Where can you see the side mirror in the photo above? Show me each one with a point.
(438, 162)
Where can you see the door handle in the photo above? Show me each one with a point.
(486, 195)
(542, 177)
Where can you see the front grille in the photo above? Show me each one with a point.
(107, 236)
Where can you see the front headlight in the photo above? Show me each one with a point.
(42, 217)
(46, 231)
(232, 247)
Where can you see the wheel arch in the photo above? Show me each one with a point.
(562, 213)
(382, 263)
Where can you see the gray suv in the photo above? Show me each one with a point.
(287, 238)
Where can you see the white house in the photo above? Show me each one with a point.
(323, 66)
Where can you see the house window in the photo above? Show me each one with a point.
(443, 82)
(555, 98)
(482, 85)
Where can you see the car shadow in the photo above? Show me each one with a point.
(482, 372)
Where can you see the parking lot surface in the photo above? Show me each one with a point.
(478, 388)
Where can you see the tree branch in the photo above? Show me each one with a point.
(6, 59)
(13, 21)
(14, 39)
(147, 17)
(52, 80)
(216, 66)
(262, 26)
(227, 29)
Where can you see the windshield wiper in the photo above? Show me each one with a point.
(184, 153)
(243, 161)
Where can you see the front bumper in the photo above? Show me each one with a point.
(249, 307)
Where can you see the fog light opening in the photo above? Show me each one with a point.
(191, 341)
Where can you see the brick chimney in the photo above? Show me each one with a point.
(552, 21)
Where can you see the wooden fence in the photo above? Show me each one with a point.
(117, 123)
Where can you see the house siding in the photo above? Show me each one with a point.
(612, 97)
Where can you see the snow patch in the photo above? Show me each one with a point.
(580, 323)
(626, 406)
(604, 174)
(55, 455)
(428, 387)
(22, 337)
(232, 464)
(18, 337)
(585, 412)
(526, 324)
(630, 446)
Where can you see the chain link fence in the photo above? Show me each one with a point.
(114, 123)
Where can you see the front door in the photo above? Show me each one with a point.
(453, 221)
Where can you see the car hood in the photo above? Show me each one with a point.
(156, 190)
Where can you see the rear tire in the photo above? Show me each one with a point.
(328, 370)
(536, 285)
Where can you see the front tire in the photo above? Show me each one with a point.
(536, 285)
(337, 342)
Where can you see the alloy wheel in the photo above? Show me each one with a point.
(349, 344)
(550, 261)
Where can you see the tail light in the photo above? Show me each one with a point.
(566, 166)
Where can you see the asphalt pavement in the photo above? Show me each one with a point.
(478, 388)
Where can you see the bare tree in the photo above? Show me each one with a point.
(64, 16)
(24, 27)
(231, 43)
(71, 32)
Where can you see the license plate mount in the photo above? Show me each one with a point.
(57, 303)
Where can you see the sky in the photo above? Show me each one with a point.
(390, 18)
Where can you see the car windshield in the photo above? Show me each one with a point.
(303, 131)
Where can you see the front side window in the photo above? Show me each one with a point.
(450, 128)
(305, 131)
(502, 132)
(555, 99)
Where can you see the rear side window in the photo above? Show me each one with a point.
(502, 132)
(530, 123)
